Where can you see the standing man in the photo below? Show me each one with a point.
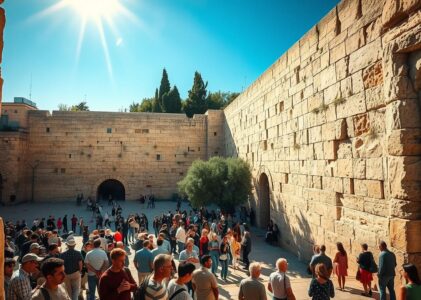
(279, 283)
(96, 262)
(204, 282)
(117, 282)
(143, 261)
(74, 222)
(53, 271)
(246, 246)
(20, 285)
(155, 288)
(251, 288)
(178, 286)
(321, 258)
(386, 274)
(65, 230)
(73, 263)
(9, 265)
(180, 235)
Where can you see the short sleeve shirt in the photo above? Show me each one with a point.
(58, 294)
(96, 259)
(173, 287)
(205, 282)
(144, 259)
(155, 291)
(276, 280)
(252, 289)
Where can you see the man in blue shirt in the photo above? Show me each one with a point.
(143, 261)
(322, 258)
(386, 274)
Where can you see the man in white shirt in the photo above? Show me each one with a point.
(96, 262)
(177, 289)
(180, 236)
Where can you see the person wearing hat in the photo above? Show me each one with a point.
(20, 284)
(73, 263)
(9, 265)
(53, 271)
(35, 248)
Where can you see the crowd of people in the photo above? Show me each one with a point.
(178, 259)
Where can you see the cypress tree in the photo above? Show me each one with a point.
(196, 102)
(171, 101)
(164, 88)
(156, 106)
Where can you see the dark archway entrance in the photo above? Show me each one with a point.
(264, 201)
(111, 187)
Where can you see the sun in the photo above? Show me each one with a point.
(94, 9)
(99, 13)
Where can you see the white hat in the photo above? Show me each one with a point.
(71, 242)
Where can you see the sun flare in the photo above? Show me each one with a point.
(94, 9)
(99, 13)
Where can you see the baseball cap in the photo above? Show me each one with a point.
(34, 246)
(31, 257)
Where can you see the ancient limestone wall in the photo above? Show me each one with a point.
(334, 124)
(147, 153)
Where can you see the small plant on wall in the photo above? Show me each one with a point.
(339, 101)
(372, 133)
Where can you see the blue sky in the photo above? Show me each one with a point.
(230, 42)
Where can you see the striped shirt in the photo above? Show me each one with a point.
(155, 291)
(71, 258)
(20, 286)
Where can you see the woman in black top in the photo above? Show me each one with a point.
(365, 260)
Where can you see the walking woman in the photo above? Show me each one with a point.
(321, 287)
(224, 250)
(214, 252)
(412, 289)
(235, 251)
(364, 260)
(341, 265)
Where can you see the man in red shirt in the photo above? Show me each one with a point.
(117, 282)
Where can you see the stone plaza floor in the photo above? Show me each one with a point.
(261, 251)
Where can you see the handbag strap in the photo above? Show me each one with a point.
(176, 293)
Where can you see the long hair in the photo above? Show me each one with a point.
(341, 248)
(412, 272)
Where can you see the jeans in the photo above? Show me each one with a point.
(224, 266)
(215, 259)
(131, 234)
(92, 285)
(180, 246)
(72, 284)
(387, 282)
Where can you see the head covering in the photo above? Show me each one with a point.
(71, 242)
(34, 246)
(31, 257)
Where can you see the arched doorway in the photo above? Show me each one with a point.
(111, 187)
(264, 200)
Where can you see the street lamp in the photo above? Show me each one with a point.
(33, 167)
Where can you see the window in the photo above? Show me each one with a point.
(145, 130)
(109, 130)
(47, 129)
(70, 156)
(214, 134)
(158, 157)
(63, 170)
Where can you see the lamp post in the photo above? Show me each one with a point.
(33, 166)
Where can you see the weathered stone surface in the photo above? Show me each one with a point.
(373, 75)
(365, 56)
(404, 209)
(404, 235)
(404, 177)
(403, 114)
(404, 142)
(394, 11)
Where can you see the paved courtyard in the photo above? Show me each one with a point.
(261, 251)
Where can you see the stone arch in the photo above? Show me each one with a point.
(113, 188)
(264, 200)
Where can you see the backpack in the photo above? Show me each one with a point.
(140, 292)
(176, 293)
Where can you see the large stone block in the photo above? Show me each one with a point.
(404, 209)
(402, 114)
(405, 235)
(404, 142)
(394, 11)
(365, 56)
(405, 177)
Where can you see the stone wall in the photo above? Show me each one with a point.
(334, 123)
(74, 152)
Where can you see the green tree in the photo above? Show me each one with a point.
(134, 107)
(64, 107)
(171, 101)
(220, 181)
(82, 106)
(164, 88)
(196, 102)
(220, 100)
(156, 106)
(146, 105)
